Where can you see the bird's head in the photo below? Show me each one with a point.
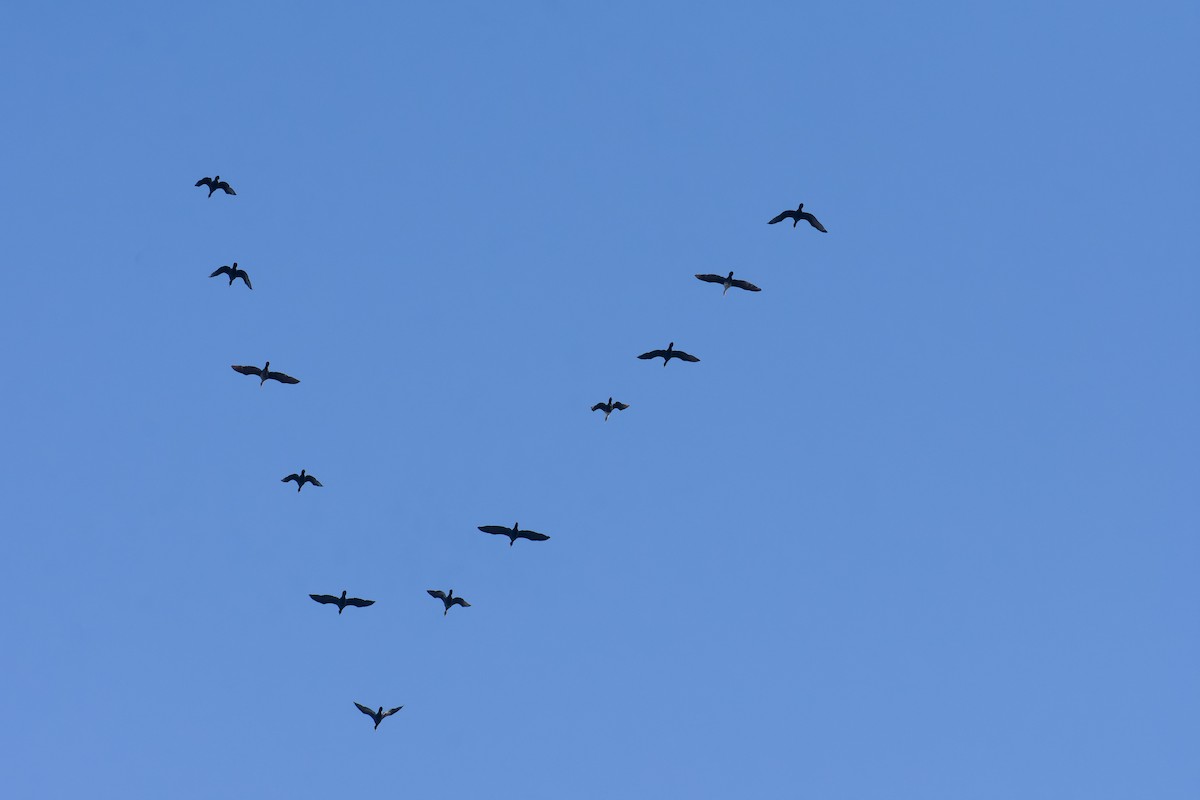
(610, 401)
(800, 207)
(235, 265)
(343, 594)
(671, 346)
(266, 366)
(301, 473)
(216, 178)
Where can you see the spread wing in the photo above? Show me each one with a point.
(496, 529)
(598, 407)
(747, 285)
(654, 354)
(292, 477)
(682, 356)
(325, 598)
(804, 215)
(358, 602)
(204, 182)
(240, 273)
(784, 215)
(438, 593)
(310, 478)
(222, 271)
(392, 711)
(619, 406)
(247, 370)
(532, 536)
(461, 602)
(711, 278)
(228, 189)
(370, 712)
(279, 376)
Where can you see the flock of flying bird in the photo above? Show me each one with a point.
(265, 373)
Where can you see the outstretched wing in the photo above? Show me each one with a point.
(310, 478)
(370, 712)
(711, 278)
(619, 406)
(682, 356)
(461, 602)
(228, 189)
(241, 273)
(324, 598)
(532, 536)
(358, 602)
(496, 529)
(747, 285)
(654, 354)
(247, 370)
(438, 593)
(784, 215)
(598, 407)
(204, 182)
(292, 477)
(221, 271)
(804, 215)
(279, 376)
(392, 711)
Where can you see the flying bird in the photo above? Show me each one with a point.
(448, 599)
(233, 273)
(265, 373)
(379, 715)
(301, 479)
(342, 602)
(796, 216)
(668, 354)
(513, 533)
(728, 281)
(215, 183)
(609, 407)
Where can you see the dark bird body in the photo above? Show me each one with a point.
(610, 407)
(301, 479)
(265, 373)
(796, 216)
(341, 602)
(233, 273)
(448, 599)
(668, 354)
(215, 183)
(380, 715)
(729, 281)
(513, 533)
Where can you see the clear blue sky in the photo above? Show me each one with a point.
(923, 522)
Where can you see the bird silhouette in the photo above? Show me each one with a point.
(341, 602)
(448, 599)
(728, 281)
(215, 183)
(233, 273)
(380, 715)
(796, 216)
(668, 354)
(610, 407)
(301, 479)
(513, 533)
(265, 373)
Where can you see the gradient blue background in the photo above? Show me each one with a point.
(922, 523)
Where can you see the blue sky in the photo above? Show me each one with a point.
(922, 522)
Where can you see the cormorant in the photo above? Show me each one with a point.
(796, 216)
(301, 479)
(609, 407)
(379, 715)
(668, 354)
(728, 281)
(265, 373)
(233, 273)
(448, 599)
(215, 183)
(341, 602)
(513, 533)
